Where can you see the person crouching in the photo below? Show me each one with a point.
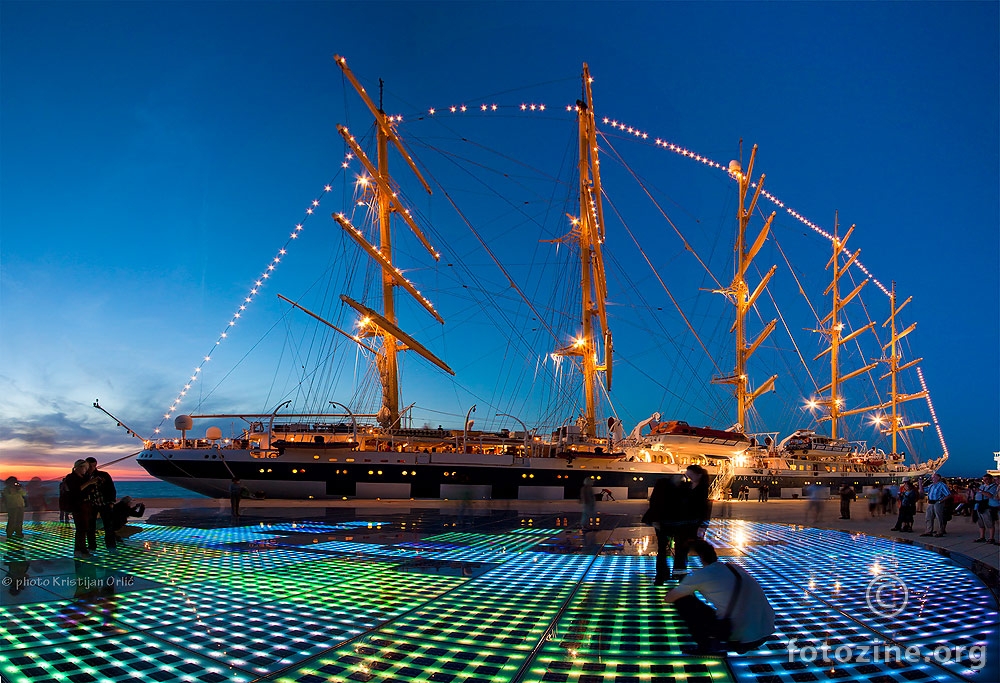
(741, 620)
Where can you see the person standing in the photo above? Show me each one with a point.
(36, 498)
(816, 493)
(695, 511)
(847, 495)
(14, 501)
(936, 494)
(742, 618)
(80, 487)
(236, 493)
(907, 508)
(987, 509)
(103, 498)
(65, 510)
(587, 501)
(663, 514)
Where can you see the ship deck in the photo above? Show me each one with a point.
(307, 595)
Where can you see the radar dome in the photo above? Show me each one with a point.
(213, 433)
(183, 423)
(735, 167)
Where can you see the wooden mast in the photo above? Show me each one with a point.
(590, 229)
(739, 294)
(834, 402)
(386, 325)
(896, 423)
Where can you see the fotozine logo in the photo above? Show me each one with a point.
(887, 595)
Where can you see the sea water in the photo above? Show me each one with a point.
(153, 489)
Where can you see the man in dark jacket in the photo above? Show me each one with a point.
(661, 514)
(103, 499)
(79, 486)
(847, 495)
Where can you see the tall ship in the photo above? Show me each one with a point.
(339, 427)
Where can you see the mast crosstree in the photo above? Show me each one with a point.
(386, 325)
(739, 294)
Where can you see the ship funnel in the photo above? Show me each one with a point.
(182, 423)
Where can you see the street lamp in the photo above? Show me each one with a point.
(465, 431)
(523, 426)
(354, 422)
(270, 425)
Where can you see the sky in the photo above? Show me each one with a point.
(153, 156)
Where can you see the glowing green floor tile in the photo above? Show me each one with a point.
(327, 572)
(634, 596)
(151, 608)
(264, 587)
(555, 666)
(389, 659)
(411, 586)
(30, 627)
(42, 541)
(625, 632)
(117, 658)
(382, 597)
(499, 543)
(261, 560)
(486, 625)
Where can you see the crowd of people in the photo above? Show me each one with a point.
(937, 499)
(85, 494)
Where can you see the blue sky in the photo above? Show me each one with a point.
(153, 155)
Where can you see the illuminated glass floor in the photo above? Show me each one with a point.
(429, 596)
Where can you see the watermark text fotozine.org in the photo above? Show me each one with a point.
(883, 653)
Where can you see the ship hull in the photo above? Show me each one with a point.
(302, 474)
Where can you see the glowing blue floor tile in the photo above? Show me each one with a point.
(267, 638)
(352, 548)
(199, 537)
(319, 527)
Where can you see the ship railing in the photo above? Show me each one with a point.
(177, 444)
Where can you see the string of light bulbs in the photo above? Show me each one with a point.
(250, 297)
(682, 151)
(659, 142)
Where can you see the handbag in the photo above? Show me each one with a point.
(724, 624)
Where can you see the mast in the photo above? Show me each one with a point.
(896, 422)
(743, 300)
(590, 229)
(388, 368)
(386, 325)
(834, 402)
